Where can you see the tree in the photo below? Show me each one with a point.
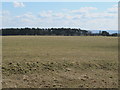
(105, 33)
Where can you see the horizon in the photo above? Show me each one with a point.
(93, 31)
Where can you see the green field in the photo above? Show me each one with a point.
(60, 62)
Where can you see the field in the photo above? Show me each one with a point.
(60, 62)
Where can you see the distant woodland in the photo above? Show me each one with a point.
(53, 32)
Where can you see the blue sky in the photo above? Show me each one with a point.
(84, 15)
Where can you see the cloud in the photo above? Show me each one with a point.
(84, 10)
(46, 14)
(89, 12)
(101, 15)
(85, 18)
(18, 4)
(113, 9)
(5, 12)
(26, 15)
(53, 15)
(102, 24)
(27, 19)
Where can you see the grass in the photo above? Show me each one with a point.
(60, 61)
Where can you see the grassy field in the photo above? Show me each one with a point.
(60, 62)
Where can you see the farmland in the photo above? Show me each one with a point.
(59, 62)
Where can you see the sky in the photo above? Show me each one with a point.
(84, 15)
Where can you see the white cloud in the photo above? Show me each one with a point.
(18, 4)
(84, 10)
(81, 18)
(5, 13)
(26, 15)
(113, 9)
(101, 15)
(102, 24)
(46, 14)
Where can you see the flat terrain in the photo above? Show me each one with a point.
(60, 62)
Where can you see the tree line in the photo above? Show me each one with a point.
(53, 31)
